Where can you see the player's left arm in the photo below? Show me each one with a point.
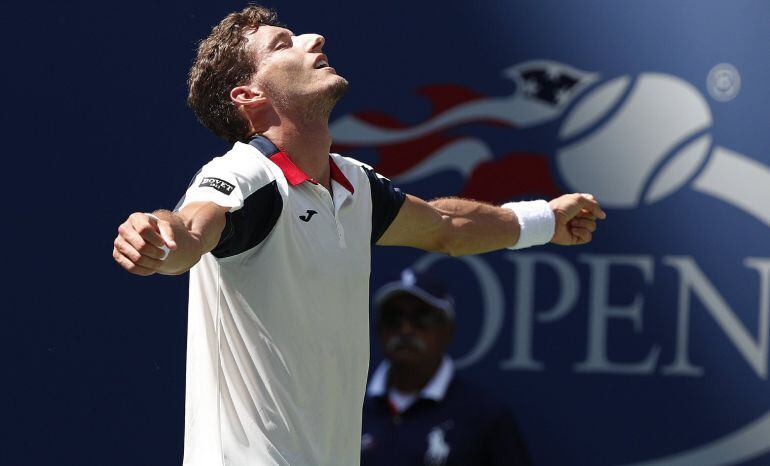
(459, 227)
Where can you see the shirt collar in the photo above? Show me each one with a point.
(434, 390)
(294, 175)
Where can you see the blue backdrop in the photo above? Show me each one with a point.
(650, 346)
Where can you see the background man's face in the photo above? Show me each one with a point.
(412, 332)
(292, 70)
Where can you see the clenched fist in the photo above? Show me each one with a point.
(576, 216)
(142, 243)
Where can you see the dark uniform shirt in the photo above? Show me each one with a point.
(468, 427)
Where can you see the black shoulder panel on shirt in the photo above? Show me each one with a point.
(248, 226)
(386, 202)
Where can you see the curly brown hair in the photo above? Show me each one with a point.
(223, 62)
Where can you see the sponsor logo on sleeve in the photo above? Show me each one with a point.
(220, 185)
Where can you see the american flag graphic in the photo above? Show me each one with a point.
(446, 140)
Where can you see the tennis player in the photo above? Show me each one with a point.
(276, 234)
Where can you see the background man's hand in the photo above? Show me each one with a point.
(576, 216)
(138, 246)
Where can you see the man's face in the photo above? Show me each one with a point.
(292, 70)
(412, 332)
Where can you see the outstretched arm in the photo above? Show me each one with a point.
(459, 226)
(187, 234)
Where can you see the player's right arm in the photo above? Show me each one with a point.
(230, 207)
(188, 234)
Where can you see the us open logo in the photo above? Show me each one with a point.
(639, 143)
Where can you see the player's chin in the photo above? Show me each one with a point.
(338, 85)
(332, 90)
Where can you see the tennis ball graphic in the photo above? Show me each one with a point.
(646, 150)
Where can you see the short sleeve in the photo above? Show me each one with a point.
(387, 200)
(226, 181)
(241, 181)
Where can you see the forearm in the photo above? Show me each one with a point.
(189, 244)
(472, 227)
(196, 231)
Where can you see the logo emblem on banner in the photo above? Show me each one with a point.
(633, 141)
(627, 140)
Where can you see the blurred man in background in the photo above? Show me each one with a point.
(417, 411)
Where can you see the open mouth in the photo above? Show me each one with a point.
(321, 62)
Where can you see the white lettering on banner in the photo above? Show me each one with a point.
(692, 281)
(494, 304)
(600, 311)
(568, 283)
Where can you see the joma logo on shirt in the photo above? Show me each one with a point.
(220, 185)
(308, 216)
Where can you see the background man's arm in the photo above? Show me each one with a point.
(459, 226)
(188, 234)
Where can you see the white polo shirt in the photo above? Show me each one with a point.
(278, 337)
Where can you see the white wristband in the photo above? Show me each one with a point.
(536, 220)
(164, 247)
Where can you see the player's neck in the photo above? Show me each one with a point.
(307, 145)
(413, 377)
